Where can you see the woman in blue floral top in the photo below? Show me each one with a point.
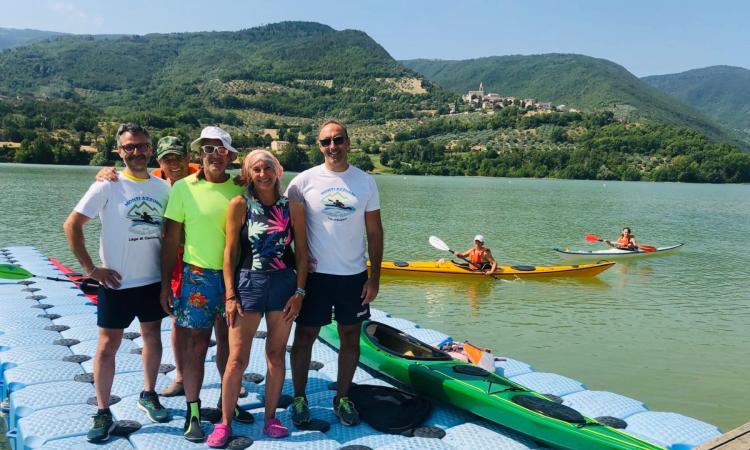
(259, 279)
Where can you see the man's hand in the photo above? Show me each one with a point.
(106, 277)
(167, 301)
(106, 174)
(232, 308)
(370, 290)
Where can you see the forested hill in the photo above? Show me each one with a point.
(722, 92)
(13, 37)
(289, 68)
(578, 81)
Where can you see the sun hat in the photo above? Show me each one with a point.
(213, 133)
(170, 145)
(479, 238)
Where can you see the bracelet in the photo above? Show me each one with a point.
(300, 291)
(231, 297)
(88, 273)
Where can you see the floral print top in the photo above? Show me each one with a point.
(269, 231)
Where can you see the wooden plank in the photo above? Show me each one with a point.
(737, 439)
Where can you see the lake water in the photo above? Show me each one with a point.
(672, 331)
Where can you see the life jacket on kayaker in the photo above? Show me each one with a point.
(626, 241)
(476, 255)
(480, 256)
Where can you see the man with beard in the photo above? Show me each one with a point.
(197, 209)
(130, 271)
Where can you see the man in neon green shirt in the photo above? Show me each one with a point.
(197, 207)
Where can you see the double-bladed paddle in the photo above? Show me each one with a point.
(440, 245)
(15, 272)
(595, 238)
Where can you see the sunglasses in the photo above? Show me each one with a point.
(210, 149)
(337, 140)
(130, 148)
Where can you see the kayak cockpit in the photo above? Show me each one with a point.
(398, 343)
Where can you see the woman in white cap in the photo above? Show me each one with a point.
(480, 256)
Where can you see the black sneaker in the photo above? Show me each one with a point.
(149, 403)
(242, 416)
(300, 411)
(103, 425)
(193, 431)
(346, 411)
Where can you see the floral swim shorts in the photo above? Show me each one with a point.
(201, 298)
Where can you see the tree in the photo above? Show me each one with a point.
(294, 159)
(361, 161)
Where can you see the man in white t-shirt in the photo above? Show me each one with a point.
(342, 206)
(130, 212)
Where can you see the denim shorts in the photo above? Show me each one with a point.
(201, 298)
(265, 290)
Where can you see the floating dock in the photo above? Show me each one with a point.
(48, 337)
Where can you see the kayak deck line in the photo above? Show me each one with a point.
(48, 408)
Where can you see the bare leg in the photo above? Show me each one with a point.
(151, 333)
(177, 355)
(193, 344)
(240, 342)
(278, 335)
(304, 338)
(348, 357)
(104, 364)
(222, 344)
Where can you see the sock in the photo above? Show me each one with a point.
(194, 410)
(145, 394)
(102, 411)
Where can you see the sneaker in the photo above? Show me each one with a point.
(242, 416)
(346, 411)
(193, 431)
(149, 403)
(173, 390)
(273, 428)
(220, 436)
(300, 411)
(103, 425)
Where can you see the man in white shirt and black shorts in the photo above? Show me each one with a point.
(342, 206)
(131, 213)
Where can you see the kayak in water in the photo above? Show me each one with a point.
(442, 267)
(608, 253)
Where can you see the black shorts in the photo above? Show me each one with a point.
(337, 295)
(117, 308)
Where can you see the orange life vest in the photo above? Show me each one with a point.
(476, 256)
(624, 242)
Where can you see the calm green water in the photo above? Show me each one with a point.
(672, 331)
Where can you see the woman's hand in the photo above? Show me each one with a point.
(292, 307)
(233, 308)
(106, 277)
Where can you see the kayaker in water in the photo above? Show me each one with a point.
(174, 165)
(338, 283)
(129, 274)
(626, 241)
(261, 227)
(480, 256)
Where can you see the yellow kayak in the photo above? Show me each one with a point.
(455, 268)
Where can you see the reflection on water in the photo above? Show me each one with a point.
(672, 331)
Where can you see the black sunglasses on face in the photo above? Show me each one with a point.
(337, 140)
(130, 148)
(209, 149)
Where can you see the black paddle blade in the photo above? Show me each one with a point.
(89, 286)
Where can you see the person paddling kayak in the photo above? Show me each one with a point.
(480, 256)
(626, 241)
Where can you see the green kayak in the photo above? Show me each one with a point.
(435, 374)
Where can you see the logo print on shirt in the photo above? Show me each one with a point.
(337, 205)
(145, 219)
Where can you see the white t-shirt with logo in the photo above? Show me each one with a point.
(335, 206)
(131, 213)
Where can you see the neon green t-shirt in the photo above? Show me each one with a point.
(201, 207)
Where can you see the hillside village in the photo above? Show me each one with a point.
(492, 101)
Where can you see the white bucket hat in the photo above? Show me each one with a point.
(213, 133)
(479, 238)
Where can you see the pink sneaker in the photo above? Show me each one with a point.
(220, 436)
(273, 428)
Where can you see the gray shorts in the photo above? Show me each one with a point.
(264, 291)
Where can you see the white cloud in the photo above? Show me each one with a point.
(72, 11)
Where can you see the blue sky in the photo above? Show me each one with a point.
(646, 37)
